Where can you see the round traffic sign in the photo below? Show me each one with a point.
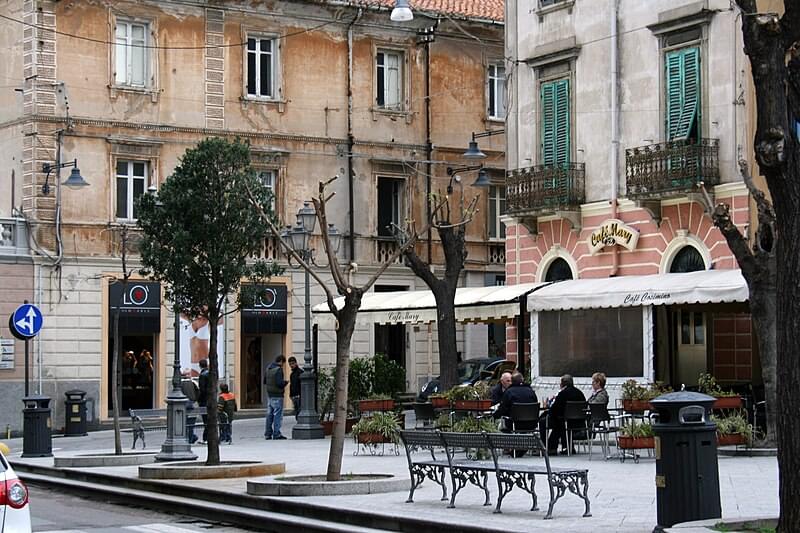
(25, 322)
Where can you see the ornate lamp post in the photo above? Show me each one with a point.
(176, 445)
(299, 237)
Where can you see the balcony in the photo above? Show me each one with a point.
(543, 190)
(671, 168)
(13, 237)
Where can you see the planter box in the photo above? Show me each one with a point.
(372, 438)
(731, 439)
(636, 406)
(440, 403)
(728, 402)
(327, 425)
(472, 405)
(636, 443)
(375, 405)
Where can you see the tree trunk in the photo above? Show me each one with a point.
(344, 332)
(211, 403)
(115, 379)
(762, 311)
(446, 327)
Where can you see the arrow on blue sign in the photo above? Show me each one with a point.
(27, 320)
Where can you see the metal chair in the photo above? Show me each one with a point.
(425, 416)
(577, 419)
(600, 423)
(524, 417)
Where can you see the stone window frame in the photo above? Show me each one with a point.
(152, 88)
(494, 62)
(278, 99)
(275, 161)
(405, 110)
(131, 150)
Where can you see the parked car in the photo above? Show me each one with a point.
(15, 513)
(470, 372)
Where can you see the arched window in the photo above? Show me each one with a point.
(688, 259)
(558, 270)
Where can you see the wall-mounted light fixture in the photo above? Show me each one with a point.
(473, 152)
(74, 181)
(482, 181)
(402, 11)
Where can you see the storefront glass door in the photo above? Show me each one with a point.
(138, 363)
(691, 341)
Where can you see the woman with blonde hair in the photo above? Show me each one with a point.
(599, 393)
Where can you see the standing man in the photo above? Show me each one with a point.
(204, 384)
(496, 394)
(294, 384)
(273, 379)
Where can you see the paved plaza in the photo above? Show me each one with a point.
(622, 495)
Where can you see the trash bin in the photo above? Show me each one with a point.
(36, 439)
(687, 474)
(75, 413)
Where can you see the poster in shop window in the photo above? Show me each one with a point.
(195, 339)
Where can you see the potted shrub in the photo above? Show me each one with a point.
(470, 424)
(378, 428)
(470, 397)
(439, 401)
(376, 402)
(707, 384)
(636, 398)
(733, 429)
(636, 436)
(325, 396)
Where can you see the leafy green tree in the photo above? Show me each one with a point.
(199, 235)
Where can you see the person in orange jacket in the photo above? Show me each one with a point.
(226, 407)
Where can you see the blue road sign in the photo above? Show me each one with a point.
(26, 321)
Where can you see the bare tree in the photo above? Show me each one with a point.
(771, 42)
(452, 236)
(345, 314)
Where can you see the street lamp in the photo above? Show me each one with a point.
(299, 238)
(473, 152)
(176, 446)
(482, 181)
(74, 181)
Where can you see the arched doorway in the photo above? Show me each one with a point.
(558, 270)
(691, 327)
(688, 259)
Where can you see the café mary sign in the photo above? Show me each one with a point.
(610, 232)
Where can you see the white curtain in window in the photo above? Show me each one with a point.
(392, 85)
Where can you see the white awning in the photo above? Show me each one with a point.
(706, 286)
(473, 304)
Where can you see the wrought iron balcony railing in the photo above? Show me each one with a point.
(670, 168)
(545, 188)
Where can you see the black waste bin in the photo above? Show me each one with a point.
(36, 439)
(687, 474)
(75, 413)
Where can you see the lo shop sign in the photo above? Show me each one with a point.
(611, 232)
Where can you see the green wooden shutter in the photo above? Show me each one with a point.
(555, 122)
(683, 92)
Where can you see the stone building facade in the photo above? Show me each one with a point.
(123, 88)
(627, 120)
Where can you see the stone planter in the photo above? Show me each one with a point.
(636, 406)
(731, 439)
(636, 443)
(375, 405)
(472, 405)
(728, 402)
(440, 403)
(327, 425)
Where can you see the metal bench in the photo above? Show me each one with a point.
(141, 417)
(418, 468)
(523, 475)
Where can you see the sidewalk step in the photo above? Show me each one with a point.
(239, 516)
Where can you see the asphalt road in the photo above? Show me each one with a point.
(55, 512)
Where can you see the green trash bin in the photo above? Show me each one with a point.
(75, 413)
(36, 428)
(687, 473)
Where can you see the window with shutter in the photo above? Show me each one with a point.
(555, 123)
(683, 94)
(132, 57)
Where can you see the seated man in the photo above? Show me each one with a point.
(518, 392)
(555, 417)
(496, 394)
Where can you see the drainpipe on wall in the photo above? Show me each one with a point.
(428, 141)
(614, 126)
(350, 138)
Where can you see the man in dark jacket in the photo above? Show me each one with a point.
(294, 384)
(518, 392)
(496, 393)
(204, 384)
(275, 382)
(556, 421)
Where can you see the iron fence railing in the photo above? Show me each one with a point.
(671, 167)
(545, 188)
